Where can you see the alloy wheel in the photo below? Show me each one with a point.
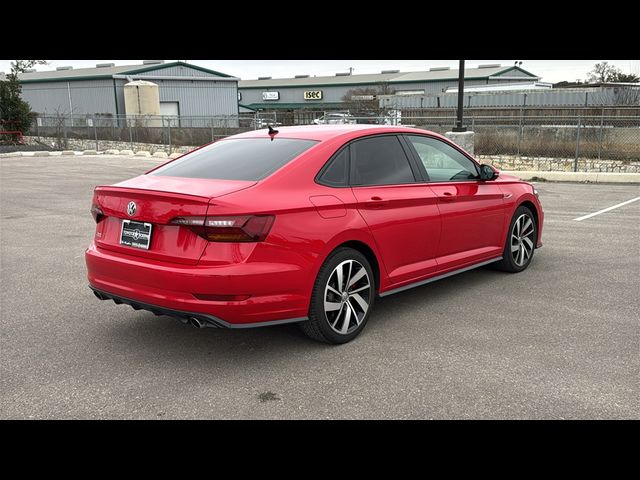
(347, 296)
(522, 241)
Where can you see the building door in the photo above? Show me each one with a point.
(170, 112)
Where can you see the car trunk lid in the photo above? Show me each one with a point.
(157, 201)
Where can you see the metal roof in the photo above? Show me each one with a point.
(401, 77)
(104, 72)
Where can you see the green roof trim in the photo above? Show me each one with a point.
(515, 68)
(282, 106)
(133, 71)
(160, 66)
(246, 106)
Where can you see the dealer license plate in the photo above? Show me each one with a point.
(135, 234)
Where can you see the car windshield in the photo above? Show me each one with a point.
(237, 159)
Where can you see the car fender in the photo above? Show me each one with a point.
(520, 193)
(346, 236)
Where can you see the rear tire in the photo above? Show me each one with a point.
(520, 243)
(342, 298)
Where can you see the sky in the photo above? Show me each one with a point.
(550, 70)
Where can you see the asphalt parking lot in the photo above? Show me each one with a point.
(558, 341)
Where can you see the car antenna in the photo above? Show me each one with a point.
(272, 132)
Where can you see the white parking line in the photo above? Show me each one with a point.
(579, 219)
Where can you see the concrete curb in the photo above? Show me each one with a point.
(583, 177)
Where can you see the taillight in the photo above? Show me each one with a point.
(97, 213)
(245, 228)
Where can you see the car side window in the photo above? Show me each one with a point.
(442, 162)
(335, 173)
(379, 161)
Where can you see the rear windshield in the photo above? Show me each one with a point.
(237, 159)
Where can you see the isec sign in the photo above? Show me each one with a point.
(313, 95)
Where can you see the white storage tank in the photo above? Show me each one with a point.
(142, 98)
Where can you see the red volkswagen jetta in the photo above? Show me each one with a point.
(305, 225)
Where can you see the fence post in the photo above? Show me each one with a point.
(520, 132)
(600, 137)
(95, 132)
(575, 162)
(130, 136)
(169, 137)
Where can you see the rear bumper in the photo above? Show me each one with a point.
(185, 317)
(276, 290)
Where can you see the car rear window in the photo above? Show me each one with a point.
(237, 159)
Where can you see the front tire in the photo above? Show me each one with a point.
(342, 298)
(520, 243)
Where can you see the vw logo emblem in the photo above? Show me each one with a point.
(131, 209)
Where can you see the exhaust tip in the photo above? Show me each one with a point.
(99, 295)
(196, 322)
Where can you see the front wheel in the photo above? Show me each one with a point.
(342, 298)
(521, 241)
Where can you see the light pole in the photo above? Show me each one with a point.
(459, 127)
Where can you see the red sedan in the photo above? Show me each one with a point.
(305, 224)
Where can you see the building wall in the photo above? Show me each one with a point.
(541, 98)
(199, 98)
(333, 94)
(195, 97)
(87, 96)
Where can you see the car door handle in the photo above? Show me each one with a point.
(377, 202)
(448, 197)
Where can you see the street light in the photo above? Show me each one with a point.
(459, 127)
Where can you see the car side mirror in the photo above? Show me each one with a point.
(487, 172)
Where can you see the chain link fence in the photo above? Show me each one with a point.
(551, 143)
(541, 142)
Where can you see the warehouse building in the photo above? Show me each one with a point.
(521, 95)
(182, 90)
(325, 93)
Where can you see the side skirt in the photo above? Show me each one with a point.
(439, 277)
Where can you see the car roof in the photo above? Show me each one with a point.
(328, 132)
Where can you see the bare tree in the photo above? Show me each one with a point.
(60, 132)
(603, 72)
(365, 100)
(624, 95)
(626, 77)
